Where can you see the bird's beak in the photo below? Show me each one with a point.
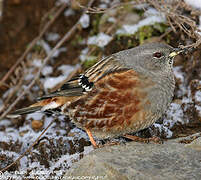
(175, 52)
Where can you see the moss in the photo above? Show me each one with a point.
(143, 33)
(146, 32)
(89, 62)
(77, 40)
(95, 24)
(140, 12)
(37, 48)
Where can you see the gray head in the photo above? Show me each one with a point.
(154, 57)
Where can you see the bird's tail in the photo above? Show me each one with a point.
(26, 110)
(43, 105)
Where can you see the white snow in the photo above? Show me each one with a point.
(69, 12)
(180, 76)
(59, 2)
(111, 19)
(152, 17)
(52, 36)
(28, 77)
(174, 115)
(47, 48)
(35, 116)
(198, 96)
(47, 70)
(84, 55)
(100, 40)
(163, 129)
(58, 51)
(85, 20)
(51, 82)
(5, 122)
(37, 63)
(67, 69)
(198, 100)
(103, 6)
(194, 3)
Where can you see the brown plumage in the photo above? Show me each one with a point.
(123, 93)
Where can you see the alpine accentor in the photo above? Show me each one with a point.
(122, 93)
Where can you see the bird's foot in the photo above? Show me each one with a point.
(154, 139)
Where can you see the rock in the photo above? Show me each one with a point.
(36, 125)
(196, 144)
(171, 160)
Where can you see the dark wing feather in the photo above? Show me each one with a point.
(70, 88)
(95, 73)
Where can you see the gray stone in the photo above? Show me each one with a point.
(196, 144)
(137, 161)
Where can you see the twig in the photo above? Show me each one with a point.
(97, 10)
(7, 75)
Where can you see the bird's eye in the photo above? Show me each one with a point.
(157, 54)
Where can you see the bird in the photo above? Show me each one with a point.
(122, 93)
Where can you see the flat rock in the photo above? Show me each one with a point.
(171, 160)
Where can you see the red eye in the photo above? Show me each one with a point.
(157, 54)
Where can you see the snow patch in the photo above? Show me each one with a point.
(67, 69)
(194, 3)
(35, 116)
(179, 74)
(52, 36)
(60, 2)
(51, 82)
(163, 129)
(152, 17)
(47, 70)
(69, 12)
(5, 122)
(37, 63)
(111, 19)
(174, 115)
(48, 49)
(84, 21)
(100, 40)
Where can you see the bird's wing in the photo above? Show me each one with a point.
(83, 83)
(75, 88)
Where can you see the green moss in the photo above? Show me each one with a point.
(143, 33)
(37, 48)
(77, 40)
(95, 24)
(140, 12)
(168, 38)
(146, 32)
(89, 62)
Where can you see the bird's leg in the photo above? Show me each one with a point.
(144, 140)
(136, 138)
(93, 142)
